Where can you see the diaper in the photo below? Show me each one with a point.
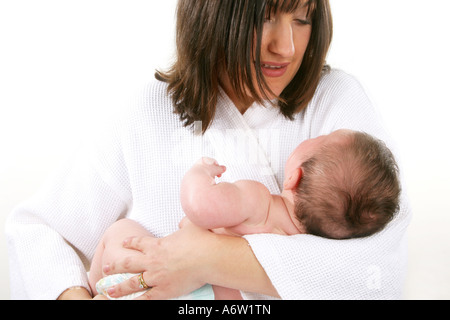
(204, 293)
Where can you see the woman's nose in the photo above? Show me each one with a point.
(281, 40)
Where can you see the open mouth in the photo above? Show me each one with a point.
(273, 69)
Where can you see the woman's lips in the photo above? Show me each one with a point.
(274, 69)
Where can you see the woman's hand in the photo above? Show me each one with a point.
(186, 260)
(171, 266)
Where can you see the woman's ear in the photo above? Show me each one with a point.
(294, 179)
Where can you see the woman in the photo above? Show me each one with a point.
(249, 84)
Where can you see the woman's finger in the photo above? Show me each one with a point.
(130, 286)
(130, 264)
(142, 244)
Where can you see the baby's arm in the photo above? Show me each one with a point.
(210, 205)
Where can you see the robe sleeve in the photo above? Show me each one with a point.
(52, 237)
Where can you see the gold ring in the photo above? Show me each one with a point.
(142, 283)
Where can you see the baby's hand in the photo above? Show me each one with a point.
(212, 166)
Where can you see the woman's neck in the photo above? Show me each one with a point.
(242, 106)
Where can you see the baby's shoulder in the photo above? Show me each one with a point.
(253, 189)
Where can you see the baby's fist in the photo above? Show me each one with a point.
(213, 166)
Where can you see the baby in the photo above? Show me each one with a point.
(339, 186)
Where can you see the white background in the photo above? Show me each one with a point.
(65, 64)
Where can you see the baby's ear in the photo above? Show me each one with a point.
(291, 182)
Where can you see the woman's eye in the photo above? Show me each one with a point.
(303, 21)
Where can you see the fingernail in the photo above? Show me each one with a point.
(111, 291)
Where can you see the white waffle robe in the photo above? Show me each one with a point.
(134, 168)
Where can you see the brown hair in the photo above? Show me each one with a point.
(214, 36)
(349, 190)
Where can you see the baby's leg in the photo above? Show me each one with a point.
(110, 247)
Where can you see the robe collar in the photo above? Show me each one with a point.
(235, 139)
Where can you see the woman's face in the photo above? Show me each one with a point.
(284, 41)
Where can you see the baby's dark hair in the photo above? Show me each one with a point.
(350, 189)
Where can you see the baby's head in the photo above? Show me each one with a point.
(349, 186)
